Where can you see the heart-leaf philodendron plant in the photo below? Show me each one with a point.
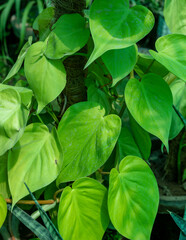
(96, 150)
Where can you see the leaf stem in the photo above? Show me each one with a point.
(122, 110)
(181, 146)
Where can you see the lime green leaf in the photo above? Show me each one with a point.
(96, 95)
(4, 188)
(114, 26)
(178, 88)
(83, 211)
(68, 36)
(126, 145)
(120, 62)
(141, 138)
(175, 15)
(133, 198)
(43, 22)
(36, 159)
(150, 103)
(16, 67)
(13, 116)
(88, 139)
(3, 210)
(47, 78)
(172, 54)
(146, 63)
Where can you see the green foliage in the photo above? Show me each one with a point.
(83, 210)
(50, 139)
(133, 198)
(3, 210)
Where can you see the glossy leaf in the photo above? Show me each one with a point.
(114, 26)
(13, 116)
(4, 188)
(120, 62)
(141, 138)
(16, 67)
(95, 94)
(126, 145)
(3, 210)
(43, 22)
(36, 159)
(47, 78)
(83, 211)
(150, 104)
(175, 15)
(171, 54)
(133, 198)
(88, 139)
(178, 89)
(146, 63)
(69, 35)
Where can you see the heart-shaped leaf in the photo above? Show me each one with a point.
(13, 115)
(3, 210)
(68, 36)
(133, 198)
(175, 15)
(47, 78)
(36, 159)
(172, 54)
(88, 139)
(120, 62)
(114, 25)
(4, 188)
(83, 212)
(150, 103)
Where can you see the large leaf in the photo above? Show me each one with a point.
(114, 26)
(88, 139)
(178, 88)
(16, 67)
(47, 78)
(83, 211)
(4, 188)
(150, 103)
(172, 54)
(13, 115)
(133, 198)
(43, 22)
(126, 145)
(3, 210)
(141, 138)
(68, 36)
(36, 159)
(175, 15)
(120, 62)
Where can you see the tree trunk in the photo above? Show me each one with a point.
(75, 90)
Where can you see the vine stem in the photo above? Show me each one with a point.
(122, 110)
(181, 145)
(30, 202)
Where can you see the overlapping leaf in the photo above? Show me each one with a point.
(88, 139)
(133, 198)
(114, 25)
(68, 36)
(150, 103)
(47, 78)
(13, 114)
(3, 210)
(172, 54)
(120, 62)
(83, 211)
(36, 159)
